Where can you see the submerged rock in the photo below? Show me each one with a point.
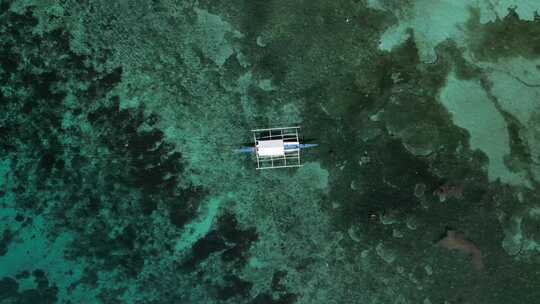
(522, 235)
(388, 255)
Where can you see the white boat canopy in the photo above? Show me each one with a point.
(274, 147)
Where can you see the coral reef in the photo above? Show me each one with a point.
(118, 183)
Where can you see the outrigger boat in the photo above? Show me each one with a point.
(276, 147)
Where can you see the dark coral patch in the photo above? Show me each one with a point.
(152, 166)
(7, 237)
(211, 243)
(105, 84)
(184, 207)
(44, 293)
(265, 298)
(233, 287)
(228, 238)
(240, 240)
(8, 288)
(277, 277)
(506, 37)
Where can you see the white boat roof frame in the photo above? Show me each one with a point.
(276, 157)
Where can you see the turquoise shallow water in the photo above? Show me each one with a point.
(119, 180)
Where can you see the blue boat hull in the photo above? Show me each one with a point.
(287, 147)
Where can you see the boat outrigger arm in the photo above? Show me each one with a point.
(276, 147)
